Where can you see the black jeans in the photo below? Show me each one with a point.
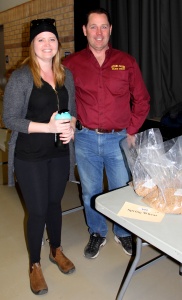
(42, 184)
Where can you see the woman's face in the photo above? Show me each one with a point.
(45, 46)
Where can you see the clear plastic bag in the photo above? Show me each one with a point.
(142, 182)
(166, 170)
(156, 169)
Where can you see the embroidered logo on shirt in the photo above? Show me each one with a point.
(118, 67)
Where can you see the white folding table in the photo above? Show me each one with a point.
(165, 235)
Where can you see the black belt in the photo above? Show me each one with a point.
(79, 126)
(101, 130)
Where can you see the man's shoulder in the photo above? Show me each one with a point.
(122, 54)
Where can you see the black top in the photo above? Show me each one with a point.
(43, 102)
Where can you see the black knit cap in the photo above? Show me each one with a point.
(41, 25)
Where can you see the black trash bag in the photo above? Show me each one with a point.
(173, 116)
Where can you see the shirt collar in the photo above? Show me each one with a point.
(108, 51)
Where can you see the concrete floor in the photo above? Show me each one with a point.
(97, 279)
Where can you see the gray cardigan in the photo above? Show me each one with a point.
(15, 105)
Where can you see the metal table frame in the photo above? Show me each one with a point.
(164, 235)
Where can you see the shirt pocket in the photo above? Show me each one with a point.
(118, 82)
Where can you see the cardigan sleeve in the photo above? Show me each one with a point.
(15, 101)
(69, 83)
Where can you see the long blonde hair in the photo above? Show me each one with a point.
(57, 67)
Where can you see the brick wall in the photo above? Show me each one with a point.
(16, 27)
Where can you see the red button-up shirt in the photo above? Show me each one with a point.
(111, 96)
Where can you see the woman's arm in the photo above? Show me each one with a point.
(15, 101)
(54, 126)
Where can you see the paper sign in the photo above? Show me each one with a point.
(139, 212)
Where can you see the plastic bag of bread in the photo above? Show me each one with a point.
(166, 171)
(167, 201)
(142, 182)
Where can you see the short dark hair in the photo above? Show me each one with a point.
(97, 11)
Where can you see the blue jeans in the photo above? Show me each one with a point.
(94, 152)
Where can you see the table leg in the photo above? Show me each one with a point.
(129, 275)
(180, 269)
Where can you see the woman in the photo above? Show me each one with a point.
(34, 94)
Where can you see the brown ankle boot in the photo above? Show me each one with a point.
(37, 281)
(63, 263)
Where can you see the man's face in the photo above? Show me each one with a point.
(97, 31)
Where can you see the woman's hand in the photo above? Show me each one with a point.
(55, 126)
(68, 130)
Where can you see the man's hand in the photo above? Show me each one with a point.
(130, 140)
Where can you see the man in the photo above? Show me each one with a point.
(112, 104)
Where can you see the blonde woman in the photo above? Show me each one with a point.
(33, 95)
